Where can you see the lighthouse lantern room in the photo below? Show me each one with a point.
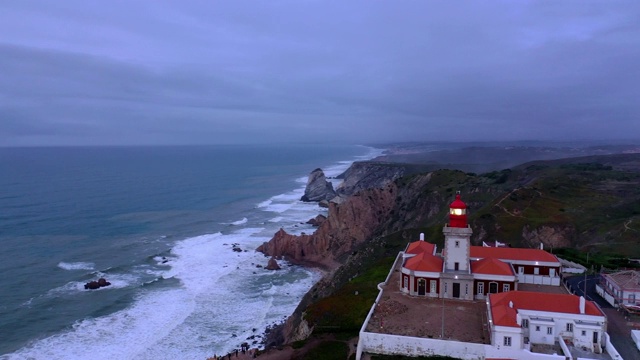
(458, 213)
(457, 237)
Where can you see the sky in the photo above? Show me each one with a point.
(78, 72)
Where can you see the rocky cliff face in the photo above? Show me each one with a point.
(349, 224)
(368, 175)
(318, 188)
(558, 236)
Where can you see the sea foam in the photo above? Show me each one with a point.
(76, 265)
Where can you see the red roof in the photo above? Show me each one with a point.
(512, 254)
(491, 266)
(504, 315)
(424, 262)
(418, 247)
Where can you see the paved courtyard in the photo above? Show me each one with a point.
(400, 314)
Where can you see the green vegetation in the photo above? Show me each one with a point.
(328, 350)
(299, 344)
(595, 260)
(588, 206)
(346, 309)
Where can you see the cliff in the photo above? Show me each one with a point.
(348, 224)
(584, 203)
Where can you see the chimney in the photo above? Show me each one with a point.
(511, 304)
(541, 246)
(421, 236)
(582, 304)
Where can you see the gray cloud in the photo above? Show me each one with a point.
(209, 72)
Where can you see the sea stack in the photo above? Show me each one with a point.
(318, 188)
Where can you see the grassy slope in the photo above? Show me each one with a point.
(600, 203)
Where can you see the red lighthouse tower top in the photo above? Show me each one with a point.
(458, 213)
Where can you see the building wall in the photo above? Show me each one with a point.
(539, 332)
(538, 279)
(499, 333)
(415, 346)
(414, 280)
(546, 327)
(512, 286)
(457, 254)
(530, 269)
(466, 288)
(457, 251)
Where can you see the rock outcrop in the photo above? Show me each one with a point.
(272, 264)
(92, 285)
(318, 220)
(318, 188)
(551, 236)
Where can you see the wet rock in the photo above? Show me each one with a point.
(317, 221)
(92, 285)
(273, 264)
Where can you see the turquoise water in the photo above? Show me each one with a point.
(160, 224)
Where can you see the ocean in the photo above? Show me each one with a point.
(160, 224)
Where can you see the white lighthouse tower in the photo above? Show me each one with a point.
(457, 278)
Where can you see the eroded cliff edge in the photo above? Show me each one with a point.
(554, 203)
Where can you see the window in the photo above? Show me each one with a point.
(466, 289)
(536, 271)
(405, 282)
(521, 269)
(525, 323)
(457, 243)
(445, 287)
(549, 330)
(569, 327)
(584, 333)
(537, 328)
(456, 266)
(507, 341)
(506, 287)
(480, 288)
(434, 286)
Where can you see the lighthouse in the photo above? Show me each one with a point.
(457, 278)
(457, 237)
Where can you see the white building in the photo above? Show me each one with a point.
(622, 287)
(520, 318)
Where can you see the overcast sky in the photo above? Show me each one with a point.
(205, 72)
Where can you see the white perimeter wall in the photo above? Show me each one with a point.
(610, 349)
(605, 295)
(414, 346)
(538, 279)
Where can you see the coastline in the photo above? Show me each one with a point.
(185, 273)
